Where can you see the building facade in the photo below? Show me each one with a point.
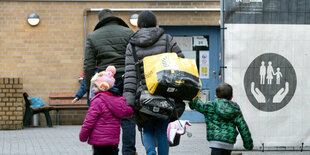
(49, 57)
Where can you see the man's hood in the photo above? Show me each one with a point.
(110, 19)
(146, 37)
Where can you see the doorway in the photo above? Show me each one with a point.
(201, 43)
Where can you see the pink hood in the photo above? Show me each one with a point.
(103, 120)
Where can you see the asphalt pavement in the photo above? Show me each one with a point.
(64, 140)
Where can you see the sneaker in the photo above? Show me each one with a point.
(152, 153)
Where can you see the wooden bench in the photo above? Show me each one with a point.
(63, 101)
(30, 112)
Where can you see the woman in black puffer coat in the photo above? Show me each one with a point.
(149, 40)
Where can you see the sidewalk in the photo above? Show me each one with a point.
(63, 140)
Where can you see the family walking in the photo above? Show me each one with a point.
(117, 90)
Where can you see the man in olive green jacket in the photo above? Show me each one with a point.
(105, 46)
(223, 117)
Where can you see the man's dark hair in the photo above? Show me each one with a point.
(147, 19)
(104, 14)
(224, 90)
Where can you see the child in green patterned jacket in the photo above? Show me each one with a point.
(223, 117)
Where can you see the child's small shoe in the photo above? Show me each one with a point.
(152, 153)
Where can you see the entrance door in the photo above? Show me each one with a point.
(201, 43)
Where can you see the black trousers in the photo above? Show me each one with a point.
(216, 151)
(106, 150)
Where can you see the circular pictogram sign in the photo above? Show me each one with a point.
(270, 82)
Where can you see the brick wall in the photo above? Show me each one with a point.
(66, 117)
(49, 57)
(11, 103)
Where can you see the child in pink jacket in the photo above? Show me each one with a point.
(101, 127)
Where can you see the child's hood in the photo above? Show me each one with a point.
(115, 99)
(226, 109)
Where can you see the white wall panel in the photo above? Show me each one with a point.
(287, 126)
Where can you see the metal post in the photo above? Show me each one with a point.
(57, 117)
(222, 42)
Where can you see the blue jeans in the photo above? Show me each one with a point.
(156, 129)
(128, 124)
(128, 136)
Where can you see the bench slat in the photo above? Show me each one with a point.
(70, 107)
(67, 102)
(63, 104)
(42, 108)
(63, 95)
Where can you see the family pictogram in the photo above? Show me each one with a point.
(270, 82)
(270, 73)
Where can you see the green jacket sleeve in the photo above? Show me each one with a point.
(244, 132)
(199, 106)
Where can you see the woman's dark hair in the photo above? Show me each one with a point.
(224, 90)
(147, 19)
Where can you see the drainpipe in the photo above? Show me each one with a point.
(222, 67)
(143, 9)
(85, 25)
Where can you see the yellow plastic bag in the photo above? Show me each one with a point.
(168, 75)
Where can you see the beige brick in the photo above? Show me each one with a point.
(9, 95)
(12, 108)
(18, 122)
(6, 80)
(5, 109)
(18, 113)
(19, 108)
(17, 95)
(8, 86)
(18, 104)
(19, 117)
(19, 90)
(16, 80)
(11, 80)
(18, 86)
(12, 117)
(5, 118)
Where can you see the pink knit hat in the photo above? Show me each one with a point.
(105, 79)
